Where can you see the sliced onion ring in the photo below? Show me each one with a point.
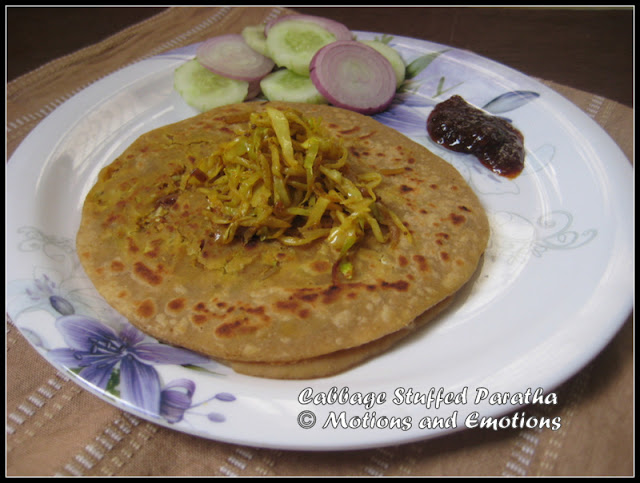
(336, 28)
(354, 76)
(254, 90)
(230, 56)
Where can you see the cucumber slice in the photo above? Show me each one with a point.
(392, 56)
(293, 43)
(254, 36)
(204, 90)
(286, 85)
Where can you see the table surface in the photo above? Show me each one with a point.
(587, 48)
(586, 55)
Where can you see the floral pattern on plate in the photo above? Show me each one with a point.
(104, 351)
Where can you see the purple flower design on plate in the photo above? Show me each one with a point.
(510, 101)
(425, 86)
(98, 353)
(403, 119)
(176, 400)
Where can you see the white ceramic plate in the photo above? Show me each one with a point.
(554, 288)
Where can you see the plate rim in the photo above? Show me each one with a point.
(621, 314)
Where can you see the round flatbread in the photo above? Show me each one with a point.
(339, 361)
(147, 242)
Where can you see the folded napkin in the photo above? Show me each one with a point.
(56, 428)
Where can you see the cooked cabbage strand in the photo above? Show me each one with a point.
(282, 177)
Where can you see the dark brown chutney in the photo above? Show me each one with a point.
(461, 127)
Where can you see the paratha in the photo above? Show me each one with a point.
(147, 242)
(336, 362)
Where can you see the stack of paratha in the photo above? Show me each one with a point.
(267, 308)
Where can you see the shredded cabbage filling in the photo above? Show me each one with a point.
(283, 178)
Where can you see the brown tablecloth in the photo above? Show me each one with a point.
(49, 433)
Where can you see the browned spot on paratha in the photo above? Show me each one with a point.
(177, 304)
(117, 266)
(145, 273)
(146, 309)
(241, 326)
